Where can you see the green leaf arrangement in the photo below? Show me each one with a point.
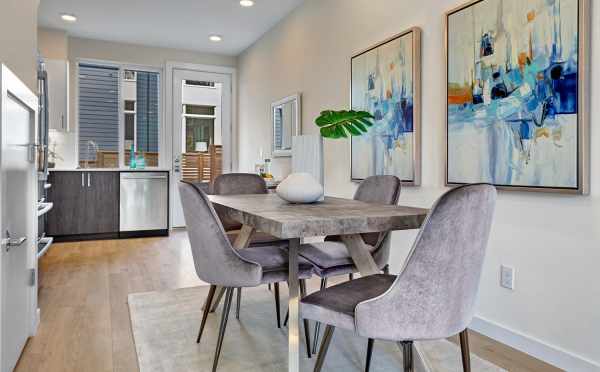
(340, 124)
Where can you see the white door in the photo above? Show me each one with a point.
(201, 131)
(19, 216)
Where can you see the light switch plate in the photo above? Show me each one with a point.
(507, 277)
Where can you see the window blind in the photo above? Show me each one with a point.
(98, 109)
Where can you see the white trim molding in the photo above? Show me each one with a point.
(168, 80)
(550, 354)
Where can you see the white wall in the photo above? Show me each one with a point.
(18, 39)
(553, 241)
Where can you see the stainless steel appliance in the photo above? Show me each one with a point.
(144, 201)
(43, 206)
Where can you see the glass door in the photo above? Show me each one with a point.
(201, 131)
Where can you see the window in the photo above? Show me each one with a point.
(200, 83)
(129, 117)
(108, 130)
(199, 127)
(98, 116)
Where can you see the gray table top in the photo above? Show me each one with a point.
(333, 216)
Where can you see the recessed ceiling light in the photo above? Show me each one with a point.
(68, 17)
(215, 38)
(246, 3)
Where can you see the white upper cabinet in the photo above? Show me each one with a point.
(58, 97)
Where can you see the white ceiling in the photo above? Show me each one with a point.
(182, 24)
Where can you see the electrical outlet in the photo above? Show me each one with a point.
(507, 277)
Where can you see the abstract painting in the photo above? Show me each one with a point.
(515, 108)
(385, 81)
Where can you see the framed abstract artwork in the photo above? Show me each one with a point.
(386, 81)
(517, 95)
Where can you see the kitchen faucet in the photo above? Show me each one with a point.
(94, 145)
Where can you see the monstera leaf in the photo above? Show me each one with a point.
(340, 124)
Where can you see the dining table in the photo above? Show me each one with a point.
(347, 218)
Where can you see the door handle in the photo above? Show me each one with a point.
(12, 242)
(82, 179)
(89, 179)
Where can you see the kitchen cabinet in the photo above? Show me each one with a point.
(85, 203)
(58, 94)
(102, 203)
(67, 194)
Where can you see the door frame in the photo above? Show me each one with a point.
(11, 84)
(166, 157)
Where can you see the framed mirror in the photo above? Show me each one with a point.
(285, 117)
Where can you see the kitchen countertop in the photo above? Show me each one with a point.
(108, 170)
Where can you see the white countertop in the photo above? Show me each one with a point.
(108, 170)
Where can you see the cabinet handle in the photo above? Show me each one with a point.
(62, 121)
(89, 179)
(82, 179)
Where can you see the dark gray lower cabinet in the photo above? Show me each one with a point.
(84, 203)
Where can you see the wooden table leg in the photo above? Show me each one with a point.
(363, 259)
(294, 307)
(242, 241)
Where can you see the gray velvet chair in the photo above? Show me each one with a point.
(219, 264)
(434, 295)
(331, 257)
(241, 184)
(244, 184)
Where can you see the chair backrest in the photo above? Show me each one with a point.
(236, 184)
(434, 295)
(379, 190)
(215, 259)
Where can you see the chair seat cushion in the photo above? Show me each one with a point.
(328, 254)
(272, 258)
(258, 238)
(335, 305)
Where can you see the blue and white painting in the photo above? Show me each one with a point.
(383, 84)
(513, 93)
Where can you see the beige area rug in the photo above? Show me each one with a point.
(165, 326)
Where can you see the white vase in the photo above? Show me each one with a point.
(301, 188)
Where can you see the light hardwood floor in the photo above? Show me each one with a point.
(85, 318)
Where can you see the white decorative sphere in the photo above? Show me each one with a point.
(300, 188)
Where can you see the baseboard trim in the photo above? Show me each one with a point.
(550, 354)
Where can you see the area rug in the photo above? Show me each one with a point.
(165, 326)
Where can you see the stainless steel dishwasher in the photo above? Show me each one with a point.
(144, 201)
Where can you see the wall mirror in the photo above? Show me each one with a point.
(285, 116)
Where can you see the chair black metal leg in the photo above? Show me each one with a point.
(238, 303)
(318, 324)
(226, 309)
(269, 286)
(305, 321)
(277, 306)
(407, 354)
(217, 301)
(464, 348)
(369, 354)
(209, 298)
(287, 317)
(351, 276)
(327, 336)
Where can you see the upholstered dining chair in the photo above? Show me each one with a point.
(243, 184)
(434, 295)
(219, 264)
(331, 257)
